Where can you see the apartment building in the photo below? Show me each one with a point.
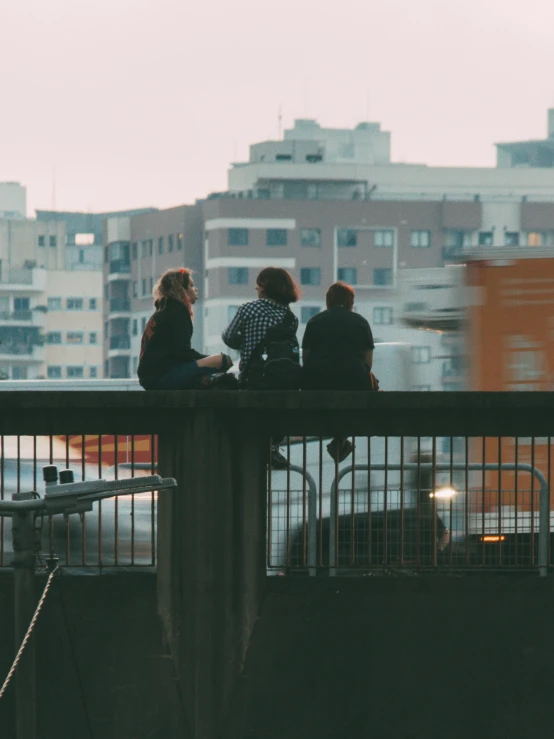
(138, 250)
(331, 205)
(51, 288)
(13, 200)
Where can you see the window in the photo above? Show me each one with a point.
(143, 323)
(75, 372)
(107, 368)
(21, 304)
(19, 373)
(135, 327)
(231, 312)
(383, 239)
(420, 239)
(144, 292)
(536, 238)
(310, 237)
(135, 289)
(348, 274)
(93, 372)
(74, 337)
(237, 237)
(511, 238)
(310, 276)
(421, 354)
(143, 248)
(81, 256)
(41, 241)
(347, 237)
(92, 304)
(106, 254)
(92, 339)
(382, 316)
(150, 247)
(276, 237)
(307, 312)
(161, 245)
(485, 238)
(52, 241)
(54, 337)
(135, 249)
(237, 275)
(54, 372)
(179, 242)
(74, 304)
(54, 303)
(170, 243)
(382, 276)
(151, 284)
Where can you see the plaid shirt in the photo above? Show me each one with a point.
(250, 326)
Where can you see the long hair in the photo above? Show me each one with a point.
(171, 286)
(278, 285)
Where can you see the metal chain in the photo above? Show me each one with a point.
(28, 634)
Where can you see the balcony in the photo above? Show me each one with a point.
(120, 305)
(119, 269)
(120, 342)
(22, 352)
(23, 318)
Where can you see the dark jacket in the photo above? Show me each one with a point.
(165, 343)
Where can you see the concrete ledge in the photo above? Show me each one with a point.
(309, 413)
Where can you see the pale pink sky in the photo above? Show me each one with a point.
(145, 102)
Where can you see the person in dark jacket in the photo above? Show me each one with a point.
(167, 360)
(337, 353)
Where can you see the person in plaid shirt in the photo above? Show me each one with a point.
(276, 290)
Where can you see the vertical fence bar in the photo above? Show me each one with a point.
(418, 502)
(269, 503)
(385, 512)
(83, 515)
(100, 563)
(353, 506)
(533, 502)
(466, 498)
(304, 510)
(451, 483)
(287, 523)
(516, 501)
(2, 498)
(500, 552)
(544, 519)
(153, 460)
(132, 501)
(434, 486)
(334, 523)
(401, 500)
(369, 527)
(483, 484)
(116, 501)
(320, 481)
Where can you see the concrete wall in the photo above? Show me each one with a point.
(102, 667)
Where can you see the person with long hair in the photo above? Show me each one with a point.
(337, 353)
(252, 323)
(167, 360)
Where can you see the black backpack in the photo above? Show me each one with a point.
(275, 362)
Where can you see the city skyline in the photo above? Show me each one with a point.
(133, 103)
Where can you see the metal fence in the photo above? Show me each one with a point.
(118, 531)
(396, 503)
(411, 504)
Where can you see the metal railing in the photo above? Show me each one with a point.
(120, 304)
(443, 512)
(118, 532)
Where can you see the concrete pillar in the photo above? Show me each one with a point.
(211, 556)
